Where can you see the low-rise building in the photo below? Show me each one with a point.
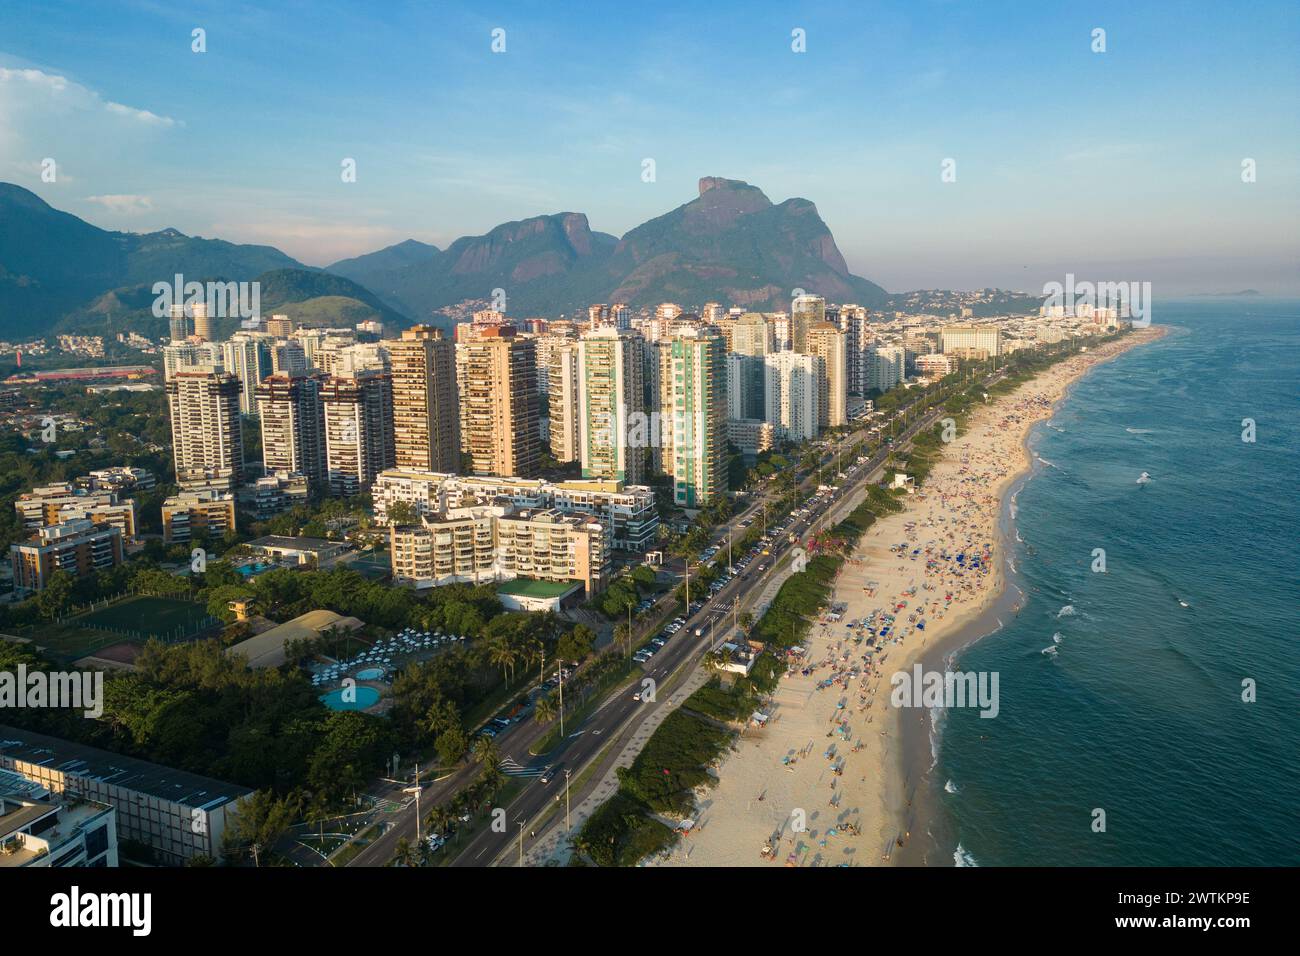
(629, 512)
(314, 552)
(64, 501)
(273, 494)
(484, 543)
(178, 814)
(39, 829)
(80, 547)
(751, 435)
(209, 512)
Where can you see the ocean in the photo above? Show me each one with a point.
(1121, 693)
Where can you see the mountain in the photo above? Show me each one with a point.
(53, 263)
(308, 296)
(731, 245)
(544, 265)
(317, 298)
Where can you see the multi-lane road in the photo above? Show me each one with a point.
(620, 714)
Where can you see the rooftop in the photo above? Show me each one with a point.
(151, 779)
(527, 587)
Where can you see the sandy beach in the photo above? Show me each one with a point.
(823, 783)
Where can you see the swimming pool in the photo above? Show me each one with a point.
(365, 697)
(371, 673)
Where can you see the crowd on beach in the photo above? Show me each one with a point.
(915, 576)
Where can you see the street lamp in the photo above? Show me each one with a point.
(416, 791)
(568, 827)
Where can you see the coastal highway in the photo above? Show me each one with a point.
(620, 714)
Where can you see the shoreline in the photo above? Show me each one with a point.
(915, 792)
(881, 813)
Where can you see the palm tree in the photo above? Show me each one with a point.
(746, 620)
(545, 711)
(406, 854)
(716, 660)
(502, 654)
(485, 752)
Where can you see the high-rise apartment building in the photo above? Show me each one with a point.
(207, 434)
(856, 326)
(805, 312)
(886, 365)
(202, 322)
(293, 426)
(562, 403)
(288, 357)
(247, 356)
(358, 430)
(745, 386)
(179, 355)
(698, 386)
(178, 326)
(426, 416)
(971, 341)
(828, 343)
(659, 402)
(752, 335)
(793, 399)
(499, 415)
(780, 331)
(611, 402)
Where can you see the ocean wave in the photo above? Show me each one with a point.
(936, 731)
(1139, 431)
(950, 787)
(1067, 611)
(1056, 638)
(1051, 650)
(962, 857)
(1049, 464)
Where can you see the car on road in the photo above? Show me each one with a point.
(549, 773)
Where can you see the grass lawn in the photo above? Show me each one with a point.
(159, 617)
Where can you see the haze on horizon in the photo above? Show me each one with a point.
(1122, 165)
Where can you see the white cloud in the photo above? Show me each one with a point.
(123, 203)
(58, 92)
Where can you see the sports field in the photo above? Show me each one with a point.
(134, 619)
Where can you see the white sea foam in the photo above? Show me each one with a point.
(950, 787)
(1067, 611)
(1139, 431)
(936, 730)
(1056, 638)
(1050, 650)
(962, 857)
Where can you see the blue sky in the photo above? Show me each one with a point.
(1117, 165)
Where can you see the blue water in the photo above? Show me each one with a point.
(365, 697)
(1139, 711)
